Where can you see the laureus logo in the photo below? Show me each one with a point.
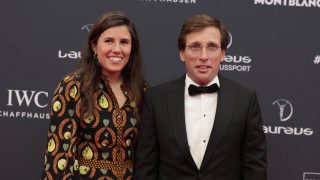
(285, 113)
(230, 40)
(235, 62)
(285, 109)
(74, 54)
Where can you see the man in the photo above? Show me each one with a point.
(202, 125)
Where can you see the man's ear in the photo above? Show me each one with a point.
(182, 55)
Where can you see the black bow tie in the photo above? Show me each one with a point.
(194, 90)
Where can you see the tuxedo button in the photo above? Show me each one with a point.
(199, 176)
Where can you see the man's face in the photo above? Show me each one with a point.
(203, 55)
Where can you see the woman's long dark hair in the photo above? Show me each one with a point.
(90, 69)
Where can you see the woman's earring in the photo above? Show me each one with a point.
(95, 56)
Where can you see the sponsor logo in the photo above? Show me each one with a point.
(69, 54)
(283, 105)
(87, 27)
(290, 3)
(24, 99)
(235, 62)
(230, 40)
(172, 1)
(311, 176)
(285, 113)
(316, 59)
(73, 54)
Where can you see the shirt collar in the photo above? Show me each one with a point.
(189, 81)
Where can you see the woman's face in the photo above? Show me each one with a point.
(113, 50)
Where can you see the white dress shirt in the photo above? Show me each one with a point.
(200, 111)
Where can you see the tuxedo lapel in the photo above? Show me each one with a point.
(175, 102)
(225, 105)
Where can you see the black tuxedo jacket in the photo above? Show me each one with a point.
(236, 149)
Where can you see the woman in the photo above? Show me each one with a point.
(95, 110)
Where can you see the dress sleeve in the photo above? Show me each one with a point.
(60, 153)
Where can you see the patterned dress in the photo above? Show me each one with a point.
(99, 146)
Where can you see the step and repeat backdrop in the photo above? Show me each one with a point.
(275, 49)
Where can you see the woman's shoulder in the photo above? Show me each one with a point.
(70, 81)
(71, 78)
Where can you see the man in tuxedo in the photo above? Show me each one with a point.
(202, 125)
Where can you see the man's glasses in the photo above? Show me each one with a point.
(196, 49)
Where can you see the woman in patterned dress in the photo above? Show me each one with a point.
(95, 110)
